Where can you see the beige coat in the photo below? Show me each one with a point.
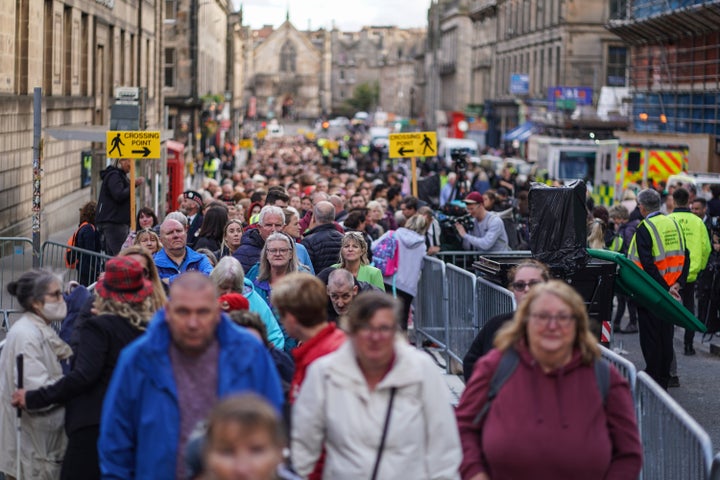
(335, 407)
(43, 438)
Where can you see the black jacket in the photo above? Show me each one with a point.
(194, 229)
(323, 246)
(82, 391)
(483, 343)
(248, 253)
(114, 200)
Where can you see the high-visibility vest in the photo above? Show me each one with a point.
(211, 167)
(697, 241)
(616, 244)
(668, 248)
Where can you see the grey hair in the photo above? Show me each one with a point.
(32, 286)
(179, 216)
(270, 210)
(340, 277)
(324, 212)
(229, 269)
(293, 264)
(649, 199)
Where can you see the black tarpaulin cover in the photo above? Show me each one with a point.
(558, 226)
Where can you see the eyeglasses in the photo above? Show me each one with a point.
(57, 295)
(543, 318)
(382, 331)
(520, 286)
(277, 251)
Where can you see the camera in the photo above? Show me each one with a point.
(460, 160)
(448, 232)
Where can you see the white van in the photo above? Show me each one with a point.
(449, 146)
(702, 181)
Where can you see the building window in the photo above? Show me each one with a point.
(287, 57)
(617, 67)
(170, 10)
(618, 9)
(170, 66)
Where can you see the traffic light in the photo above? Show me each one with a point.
(325, 125)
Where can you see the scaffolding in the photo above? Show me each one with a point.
(674, 71)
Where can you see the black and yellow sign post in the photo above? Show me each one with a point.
(413, 145)
(132, 144)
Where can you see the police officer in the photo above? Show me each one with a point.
(658, 248)
(697, 243)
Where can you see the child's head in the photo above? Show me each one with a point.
(245, 439)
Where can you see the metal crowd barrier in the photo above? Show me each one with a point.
(623, 365)
(461, 258)
(492, 300)
(16, 256)
(430, 319)
(715, 469)
(89, 264)
(674, 444)
(462, 310)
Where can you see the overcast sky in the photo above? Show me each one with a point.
(349, 15)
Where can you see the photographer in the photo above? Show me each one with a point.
(488, 232)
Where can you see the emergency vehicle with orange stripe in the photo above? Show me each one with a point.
(608, 166)
(649, 163)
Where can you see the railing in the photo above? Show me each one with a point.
(89, 264)
(675, 445)
(462, 312)
(492, 300)
(16, 257)
(431, 319)
(623, 365)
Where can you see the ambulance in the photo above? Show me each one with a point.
(647, 163)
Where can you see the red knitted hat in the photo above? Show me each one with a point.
(233, 301)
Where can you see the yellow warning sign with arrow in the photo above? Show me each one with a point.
(415, 144)
(132, 144)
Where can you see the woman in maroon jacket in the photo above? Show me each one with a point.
(549, 420)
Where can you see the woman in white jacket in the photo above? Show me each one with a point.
(379, 407)
(411, 250)
(43, 440)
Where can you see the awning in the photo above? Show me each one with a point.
(520, 133)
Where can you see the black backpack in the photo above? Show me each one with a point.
(508, 364)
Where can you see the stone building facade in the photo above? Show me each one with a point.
(77, 52)
(384, 55)
(288, 73)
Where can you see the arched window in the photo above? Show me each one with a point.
(287, 57)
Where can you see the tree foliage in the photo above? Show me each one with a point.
(365, 97)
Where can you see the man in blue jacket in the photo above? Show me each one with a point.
(167, 381)
(176, 257)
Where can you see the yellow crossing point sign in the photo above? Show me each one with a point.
(416, 144)
(246, 143)
(132, 144)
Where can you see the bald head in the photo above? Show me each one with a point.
(324, 212)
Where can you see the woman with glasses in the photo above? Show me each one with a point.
(521, 278)
(292, 228)
(124, 308)
(354, 258)
(277, 258)
(554, 415)
(378, 406)
(43, 441)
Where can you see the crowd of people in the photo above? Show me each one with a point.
(255, 310)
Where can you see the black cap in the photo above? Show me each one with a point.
(193, 195)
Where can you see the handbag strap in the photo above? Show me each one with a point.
(384, 434)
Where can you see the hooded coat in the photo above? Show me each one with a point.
(114, 199)
(589, 440)
(412, 249)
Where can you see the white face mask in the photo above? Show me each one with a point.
(53, 311)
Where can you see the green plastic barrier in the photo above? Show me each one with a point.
(643, 290)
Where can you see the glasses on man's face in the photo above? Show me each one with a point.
(278, 251)
(544, 318)
(381, 331)
(520, 286)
